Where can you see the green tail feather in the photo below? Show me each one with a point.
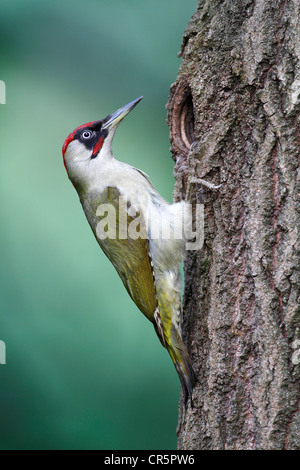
(182, 363)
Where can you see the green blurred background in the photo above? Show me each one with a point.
(84, 369)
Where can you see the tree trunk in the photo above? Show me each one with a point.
(237, 96)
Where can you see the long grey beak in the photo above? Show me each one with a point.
(114, 119)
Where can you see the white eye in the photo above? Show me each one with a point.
(86, 134)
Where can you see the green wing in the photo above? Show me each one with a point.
(130, 257)
(132, 260)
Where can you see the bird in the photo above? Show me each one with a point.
(129, 219)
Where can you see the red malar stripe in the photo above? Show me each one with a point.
(98, 147)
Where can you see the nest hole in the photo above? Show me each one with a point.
(182, 120)
(187, 121)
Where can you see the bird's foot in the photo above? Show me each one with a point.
(195, 180)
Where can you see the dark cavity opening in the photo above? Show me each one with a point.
(187, 121)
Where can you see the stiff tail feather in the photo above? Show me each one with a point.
(182, 363)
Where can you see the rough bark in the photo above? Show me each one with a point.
(237, 96)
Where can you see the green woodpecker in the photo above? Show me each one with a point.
(115, 196)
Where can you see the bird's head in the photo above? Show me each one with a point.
(90, 145)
